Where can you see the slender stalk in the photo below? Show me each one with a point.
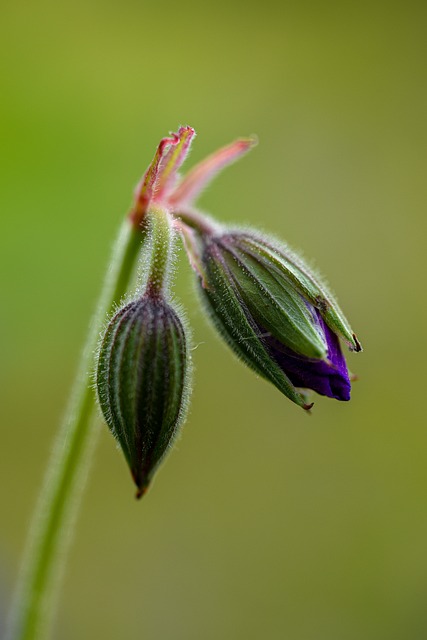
(195, 220)
(58, 504)
(161, 244)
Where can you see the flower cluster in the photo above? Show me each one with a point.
(277, 316)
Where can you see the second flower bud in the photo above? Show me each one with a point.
(144, 364)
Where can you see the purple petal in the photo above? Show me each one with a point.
(328, 379)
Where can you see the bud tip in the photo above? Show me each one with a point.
(307, 407)
(357, 343)
(141, 491)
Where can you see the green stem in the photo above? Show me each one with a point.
(161, 246)
(32, 612)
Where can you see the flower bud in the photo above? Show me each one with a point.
(274, 313)
(142, 381)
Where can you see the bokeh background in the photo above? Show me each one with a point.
(263, 523)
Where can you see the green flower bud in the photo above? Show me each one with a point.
(142, 382)
(275, 314)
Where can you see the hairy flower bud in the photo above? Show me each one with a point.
(142, 381)
(274, 313)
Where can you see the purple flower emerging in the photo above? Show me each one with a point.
(326, 378)
(274, 313)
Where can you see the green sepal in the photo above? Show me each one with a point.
(233, 321)
(278, 257)
(276, 305)
(142, 381)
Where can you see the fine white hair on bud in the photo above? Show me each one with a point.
(144, 363)
(273, 311)
(143, 380)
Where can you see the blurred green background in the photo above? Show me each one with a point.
(263, 523)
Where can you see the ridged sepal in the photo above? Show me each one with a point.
(274, 313)
(142, 380)
(284, 264)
